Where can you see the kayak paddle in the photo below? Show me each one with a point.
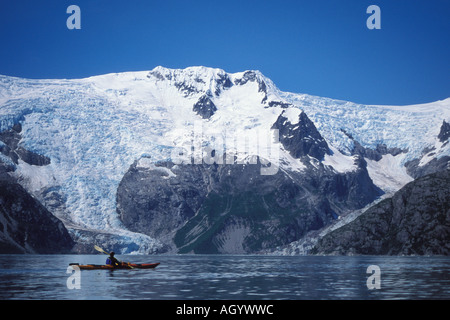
(100, 249)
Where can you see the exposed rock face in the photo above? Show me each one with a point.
(372, 154)
(414, 167)
(25, 225)
(232, 208)
(223, 82)
(14, 151)
(152, 202)
(301, 139)
(416, 220)
(416, 171)
(197, 208)
(444, 134)
(204, 107)
(200, 205)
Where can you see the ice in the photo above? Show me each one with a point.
(409, 128)
(293, 115)
(388, 173)
(340, 162)
(93, 129)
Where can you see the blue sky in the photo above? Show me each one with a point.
(320, 47)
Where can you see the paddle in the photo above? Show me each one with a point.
(100, 249)
(103, 251)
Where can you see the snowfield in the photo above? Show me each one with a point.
(93, 129)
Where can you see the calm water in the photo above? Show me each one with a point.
(233, 277)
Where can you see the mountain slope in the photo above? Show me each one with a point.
(416, 220)
(232, 208)
(89, 132)
(26, 226)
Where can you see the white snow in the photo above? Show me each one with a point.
(437, 151)
(388, 173)
(147, 163)
(93, 129)
(340, 162)
(406, 127)
(35, 177)
(292, 114)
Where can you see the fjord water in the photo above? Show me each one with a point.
(226, 277)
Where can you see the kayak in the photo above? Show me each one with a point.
(109, 267)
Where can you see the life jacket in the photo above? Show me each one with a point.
(109, 261)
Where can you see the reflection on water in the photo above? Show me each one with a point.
(227, 277)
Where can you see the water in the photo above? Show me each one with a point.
(229, 277)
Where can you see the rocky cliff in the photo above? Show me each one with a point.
(25, 225)
(232, 208)
(99, 154)
(415, 221)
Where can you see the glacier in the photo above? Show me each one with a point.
(94, 128)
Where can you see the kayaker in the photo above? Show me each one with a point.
(111, 260)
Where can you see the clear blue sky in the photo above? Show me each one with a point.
(319, 47)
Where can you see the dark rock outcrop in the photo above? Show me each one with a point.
(185, 88)
(444, 133)
(14, 151)
(223, 82)
(351, 190)
(436, 164)
(202, 205)
(25, 225)
(301, 139)
(232, 208)
(280, 104)
(415, 221)
(204, 107)
(372, 154)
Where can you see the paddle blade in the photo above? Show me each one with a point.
(100, 249)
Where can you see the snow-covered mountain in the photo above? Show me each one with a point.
(94, 130)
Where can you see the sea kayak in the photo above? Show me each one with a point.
(122, 266)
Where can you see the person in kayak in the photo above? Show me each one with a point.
(111, 260)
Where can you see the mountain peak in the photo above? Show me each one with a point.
(92, 129)
(200, 80)
(301, 137)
